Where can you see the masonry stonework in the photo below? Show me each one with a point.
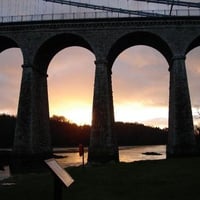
(106, 38)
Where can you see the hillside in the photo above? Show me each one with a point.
(65, 133)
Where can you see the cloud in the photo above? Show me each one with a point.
(157, 122)
(140, 75)
(10, 78)
(71, 72)
(193, 71)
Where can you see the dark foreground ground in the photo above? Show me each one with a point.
(171, 179)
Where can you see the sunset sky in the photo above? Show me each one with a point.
(140, 84)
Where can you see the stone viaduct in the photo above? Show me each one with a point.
(173, 37)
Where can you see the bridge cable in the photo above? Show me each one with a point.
(174, 2)
(1, 6)
(171, 8)
(108, 9)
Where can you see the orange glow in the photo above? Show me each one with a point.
(78, 113)
(71, 80)
(140, 86)
(141, 114)
(74, 82)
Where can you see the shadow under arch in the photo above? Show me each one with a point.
(55, 44)
(139, 38)
(193, 44)
(7, 43)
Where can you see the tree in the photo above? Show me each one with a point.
(7, 127)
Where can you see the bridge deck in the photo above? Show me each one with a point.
(95, 15)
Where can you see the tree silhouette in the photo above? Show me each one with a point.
(67, 134)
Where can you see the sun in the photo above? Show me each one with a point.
(81, 113)
(77, 113)
(80, 116)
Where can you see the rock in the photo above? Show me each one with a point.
(152, 153)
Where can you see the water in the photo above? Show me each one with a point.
(70, 156)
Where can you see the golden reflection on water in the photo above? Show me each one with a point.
(136, 153)
(126, 154)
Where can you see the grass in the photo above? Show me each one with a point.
(171, 179)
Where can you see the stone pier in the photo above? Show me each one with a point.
(103, 144)
(181, 140)
(32, 128)
(106, 38)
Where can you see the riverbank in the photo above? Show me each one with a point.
(171, 179)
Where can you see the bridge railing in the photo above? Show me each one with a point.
(60, 16)
(90, 15)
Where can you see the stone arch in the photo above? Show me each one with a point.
(53, 45)
(6, 43)
(103, 145)
(193, 44)
(139, 38)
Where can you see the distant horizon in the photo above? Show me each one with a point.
(140, 86)
(140, 76)
(89, 124)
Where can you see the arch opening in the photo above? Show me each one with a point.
(55, 44)
(11, 60)
(7, 43)
(140, 86)
(140, 93)
(10, 77)
(139, 38)
(193, 71)
(193, 45)
(71, 74)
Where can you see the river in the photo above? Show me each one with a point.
(70, 156)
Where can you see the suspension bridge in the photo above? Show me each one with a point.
(39, 10)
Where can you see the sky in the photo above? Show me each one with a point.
(140, 86)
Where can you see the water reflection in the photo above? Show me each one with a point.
(70, 157)
(137, 153)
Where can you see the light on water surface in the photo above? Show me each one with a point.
(126, 154)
